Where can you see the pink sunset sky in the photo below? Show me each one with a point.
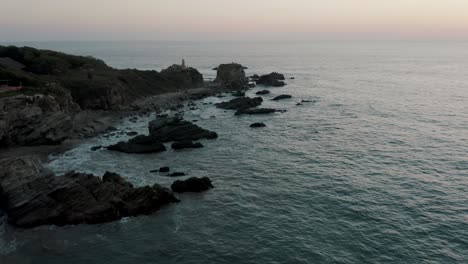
(231, 20)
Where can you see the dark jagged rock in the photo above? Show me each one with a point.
(238, 93)
(174, 129)
(186, 144)
(163, 130)
(232, 76)
(177, 174)
(95, 148)
(164, 169)
(281, 97)
(256, 125)
(262, 92)
(240, 103)
(273, 79)
(257, 111)
(192, 185)
(32, 196)
(138, 145)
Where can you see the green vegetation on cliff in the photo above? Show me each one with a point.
(91, 83)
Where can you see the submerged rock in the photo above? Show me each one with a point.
(177, 174)
(262, 92)
(95, 148)
(186, 144)
(193, 184)
(257, 111)
(281, 97)
(273, 79)
(240, 103)
(164, 169)
(255, 125)
(238, 93)
(34, 196)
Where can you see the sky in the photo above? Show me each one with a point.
(198, 20)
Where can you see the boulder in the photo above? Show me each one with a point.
(256, 125)
(193, 184)
(273, 79)
(240, 103)
(164, 169)
(177, 174)
(262, 92)
(232, 76)
(281, 97)
(256, 111)
(186, 144)
(32, 196)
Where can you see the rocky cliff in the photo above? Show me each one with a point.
(57, 86)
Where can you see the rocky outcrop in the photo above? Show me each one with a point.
(273, 79)
(232, 76)
(186, 144)
(193, 184)
(281, 97)
(183, 77)
(175, 129)
(257, 111)
(164, 169)
(262, 92)
(35, 120)
(163, 130)
(257, 125)
(32, 196)
(240, 103)
(138, 145)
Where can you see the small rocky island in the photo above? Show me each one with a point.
(58, 97)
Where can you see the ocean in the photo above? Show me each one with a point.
(373, 170)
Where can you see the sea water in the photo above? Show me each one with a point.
(373, 170)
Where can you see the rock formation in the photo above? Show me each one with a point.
(256, 111)
(240, 103)
(32, 196)
(281, 97)
(192, 185)
(163, 130)
(262, 92)
(273, 79)
(257, 125)
(232, 76)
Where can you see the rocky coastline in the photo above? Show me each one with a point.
(52, 115)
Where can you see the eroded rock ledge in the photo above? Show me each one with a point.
(32, 196)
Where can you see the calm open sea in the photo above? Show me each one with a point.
(374, 171)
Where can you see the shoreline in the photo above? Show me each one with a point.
(97, 122)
